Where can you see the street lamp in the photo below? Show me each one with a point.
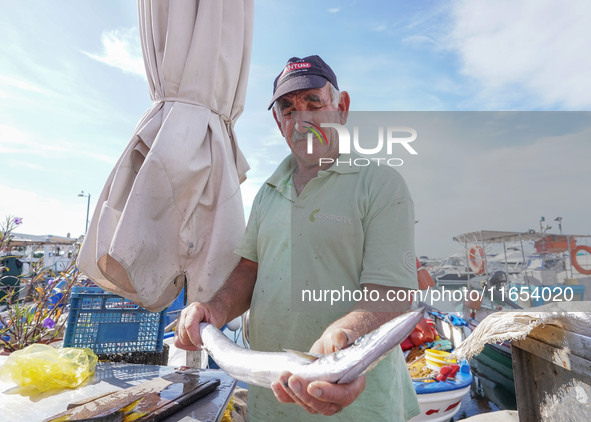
(544, 227)
(86, 195)
(559, 219)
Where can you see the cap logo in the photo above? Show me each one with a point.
(294, 66)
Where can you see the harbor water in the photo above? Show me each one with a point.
(491, 389)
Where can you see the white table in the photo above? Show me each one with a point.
(111, 377)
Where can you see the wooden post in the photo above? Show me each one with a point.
(552, 369)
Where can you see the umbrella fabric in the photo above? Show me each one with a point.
(171, 210)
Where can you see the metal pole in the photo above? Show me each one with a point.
(570, 252)
(467, 261)
(87, 212)
(486, 274)
(524, 271)
(506, 263)
(87, 196)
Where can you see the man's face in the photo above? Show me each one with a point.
(301, 110)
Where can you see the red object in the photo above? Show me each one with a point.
(424, 278)
(443, 373)
(430, 412)
(454, 370)
(431, 324)
(451, 406)
(554, 244)
(573, 258)
(476, 259)
(422, 333)
(406, 344)
(448, 371)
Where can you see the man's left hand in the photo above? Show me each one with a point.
(317, 396)
(321, 396)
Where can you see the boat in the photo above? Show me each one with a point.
(496, 367)
(439, 396)
(440, 401)
(492, 369)
(453, 271)
(451, 326)
(557, 268)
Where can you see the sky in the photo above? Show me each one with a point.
(73, 87)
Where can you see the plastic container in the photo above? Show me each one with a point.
(107, 323)
(437, 358)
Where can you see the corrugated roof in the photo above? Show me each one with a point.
(495, 236)
(20, 239)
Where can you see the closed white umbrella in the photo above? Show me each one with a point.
(171, 208)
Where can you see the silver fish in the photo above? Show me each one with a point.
(341, 367)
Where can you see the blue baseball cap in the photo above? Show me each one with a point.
(308, 73)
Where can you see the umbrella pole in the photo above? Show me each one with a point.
(194, 359)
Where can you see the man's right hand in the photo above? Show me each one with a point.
(231, 300)
(187, 335)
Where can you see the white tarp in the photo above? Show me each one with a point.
(171, 208)
(516, 325)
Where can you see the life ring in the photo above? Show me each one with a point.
(476, 260)
(573, 259)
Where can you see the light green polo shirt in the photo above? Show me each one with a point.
(349, 226)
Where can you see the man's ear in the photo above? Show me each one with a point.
(278, 122)
(344, 102)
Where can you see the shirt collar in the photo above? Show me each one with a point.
(344, 164)
(282, 175)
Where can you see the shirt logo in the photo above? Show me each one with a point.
(317, 215)
(409, 261)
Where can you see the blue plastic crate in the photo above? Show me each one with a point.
(107, 323)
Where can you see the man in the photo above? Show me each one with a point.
(319, 225)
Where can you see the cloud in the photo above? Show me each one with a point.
(21, 84)
(14, 140)
(334, 10)
(379, 27)
(533, 47)
(24, 164)
(121, 49)
(419, 41)
(39, 212)
(11, 137)
(39, 147)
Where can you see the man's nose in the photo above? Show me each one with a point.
(300, 125)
